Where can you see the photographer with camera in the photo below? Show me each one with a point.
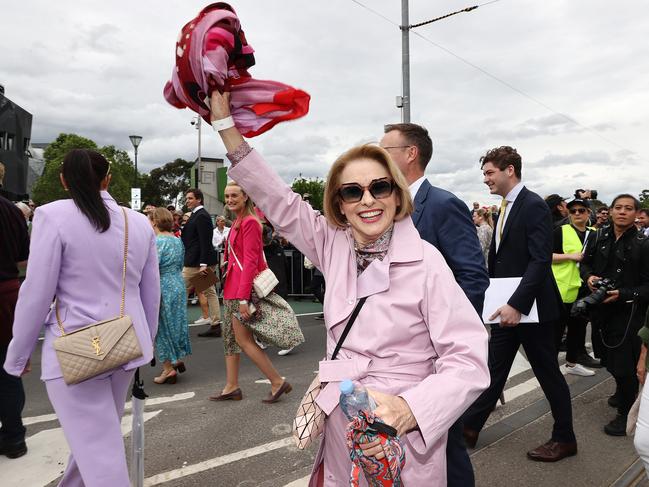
(615, 267)
(569, 242)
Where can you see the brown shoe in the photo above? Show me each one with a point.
(285, 388)
(235, 395)
(553, 451)
(470, 437)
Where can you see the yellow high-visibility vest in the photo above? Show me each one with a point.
(566, 273)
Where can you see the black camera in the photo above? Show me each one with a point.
(581, 306)
(579, 194)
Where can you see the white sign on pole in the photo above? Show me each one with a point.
(136, 198)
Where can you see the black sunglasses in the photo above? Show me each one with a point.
(577, 210)
(378, 188)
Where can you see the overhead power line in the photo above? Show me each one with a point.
(490, 75)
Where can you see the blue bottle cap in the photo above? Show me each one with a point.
(346, 386)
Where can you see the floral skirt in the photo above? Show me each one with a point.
(273, 323)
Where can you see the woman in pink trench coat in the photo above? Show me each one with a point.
(417, 344)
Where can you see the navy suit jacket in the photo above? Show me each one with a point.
(197, 239)
(445, 222)
(526, 250)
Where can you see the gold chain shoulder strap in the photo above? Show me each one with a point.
(123, 302)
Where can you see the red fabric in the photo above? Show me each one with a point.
(212, 53)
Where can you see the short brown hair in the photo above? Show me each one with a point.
(198, 194)
(502, 157)
(162, 218)
(331, 200)
(417, 136)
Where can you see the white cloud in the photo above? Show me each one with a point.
(98, 69)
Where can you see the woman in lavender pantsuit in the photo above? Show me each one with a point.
(76, 254)
(417, 345)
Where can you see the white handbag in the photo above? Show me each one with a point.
(264, 282)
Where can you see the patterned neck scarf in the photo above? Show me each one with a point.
(373, 250)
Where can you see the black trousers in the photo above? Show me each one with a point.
(537, 340)
(459, 471)
(575, 337)
(12, 401)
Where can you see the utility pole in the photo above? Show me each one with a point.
(404, 101)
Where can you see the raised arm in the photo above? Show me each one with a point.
(292, 217)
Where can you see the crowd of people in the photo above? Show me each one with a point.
(413, 251)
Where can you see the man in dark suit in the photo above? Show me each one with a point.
(445, 222)
(522, 247)
(200, 254)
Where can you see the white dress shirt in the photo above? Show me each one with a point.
(414, 187)
(218, 238)
(511, 197)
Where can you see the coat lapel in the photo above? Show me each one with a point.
(420, 201)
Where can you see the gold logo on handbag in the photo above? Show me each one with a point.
(98, 347)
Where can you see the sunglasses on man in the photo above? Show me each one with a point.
(378, 188)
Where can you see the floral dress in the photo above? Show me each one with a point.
(172, 341)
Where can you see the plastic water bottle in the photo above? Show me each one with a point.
(353, 398)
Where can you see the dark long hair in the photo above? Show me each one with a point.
(83, 171)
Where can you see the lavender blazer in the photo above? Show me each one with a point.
(71, 260)
(418, 336)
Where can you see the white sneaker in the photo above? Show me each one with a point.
(285, 351)
(579, 369)
(263, 346)
(194, 300)
(203, 321)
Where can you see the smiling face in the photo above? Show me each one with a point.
(235, 199)
(191, 201)
(500, 182)
(370, 217)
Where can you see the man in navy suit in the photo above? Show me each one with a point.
(522, 247)
(444, 221)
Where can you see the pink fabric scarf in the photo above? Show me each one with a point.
(212, 54)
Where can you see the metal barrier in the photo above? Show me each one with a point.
(299, 278)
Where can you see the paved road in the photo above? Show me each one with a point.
(194, 442)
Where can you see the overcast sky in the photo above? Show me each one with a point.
(98, 68)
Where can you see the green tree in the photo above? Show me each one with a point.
(314, 187)
(644, 198)
(48, 187)
(163, 184)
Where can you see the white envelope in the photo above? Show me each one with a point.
(499, 291)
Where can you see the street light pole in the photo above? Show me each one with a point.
(135, 140)
(405, 62)
(198, 122)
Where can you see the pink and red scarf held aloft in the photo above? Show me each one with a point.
(212, 54)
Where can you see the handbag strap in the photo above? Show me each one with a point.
(348, 327)
(231, 251)
(123, 301)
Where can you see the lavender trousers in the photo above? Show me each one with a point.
(90, 414)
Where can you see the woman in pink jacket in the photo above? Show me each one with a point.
(417, 344)
(244, 253)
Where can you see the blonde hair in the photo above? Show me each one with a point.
(162, 218)
(249, 208)
(331, 203)
(2, 173)
(486, 216)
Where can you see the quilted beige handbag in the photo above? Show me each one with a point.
(264, 282)
(99, 347)
(309, 420)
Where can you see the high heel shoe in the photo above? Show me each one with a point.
(285, 388)
(169, 377)
(179, 366)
